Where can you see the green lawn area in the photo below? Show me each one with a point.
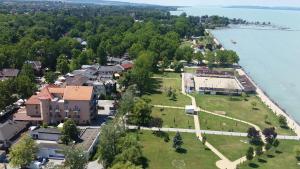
(284, 157)
(212, 122)
(159, 97)
(173, 118)
(231, 147)
(238, 108)
(173, 83)
(161, 155)
(162, 99)
(168, 75)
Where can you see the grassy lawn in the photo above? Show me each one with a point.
(283, 158)
(161, 155)
(212, 122)
(173, 118)
(232, 147)
(173, 83)
(238, 108)
(159, 97)
(167, 75)
(162, 99)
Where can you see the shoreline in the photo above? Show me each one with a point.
(276, 109)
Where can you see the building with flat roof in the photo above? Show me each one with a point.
(54, 104)
(47, 140)
(217, 85)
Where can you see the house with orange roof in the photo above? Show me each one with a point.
(54, 104)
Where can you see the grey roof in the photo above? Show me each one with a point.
(115, 59)
(48, 130)
(9, 72)
(76, 80)
(115, 69)
(10, 128)
(37, 65)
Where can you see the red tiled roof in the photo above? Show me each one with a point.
(78, 93)
(33, 100)
(127, 65)
(22, 116)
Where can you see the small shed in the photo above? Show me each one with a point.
(189, 109)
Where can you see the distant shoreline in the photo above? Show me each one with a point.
(273, 105)
(266, 7)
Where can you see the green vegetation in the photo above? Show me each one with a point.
(161, 154)
(212, 122)
(285, 156)
(232, 147)
(69, 132)
(173, 118)
(23, 152)
(237, 107)
(167, 75)
(159, 95)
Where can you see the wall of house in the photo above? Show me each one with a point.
(33, 110)
(83, 116)
(50, 153)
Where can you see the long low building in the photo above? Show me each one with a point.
(216, 85)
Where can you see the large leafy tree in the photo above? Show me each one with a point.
(75, 158)
(62, 64)
(23, 152)
(141, 114)
(69, 131)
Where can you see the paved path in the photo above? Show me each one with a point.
(171, 107)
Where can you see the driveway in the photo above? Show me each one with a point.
(94, 165)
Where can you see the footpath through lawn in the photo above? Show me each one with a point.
(161, 154)
(237, 107)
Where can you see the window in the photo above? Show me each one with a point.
(101, 108)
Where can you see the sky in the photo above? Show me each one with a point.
(292, 3)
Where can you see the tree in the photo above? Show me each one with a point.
(270, 134)
(69, 131)
(23, 152)
(75, 158)
(259, 150)
(102, 55)
(250, 153)
(141, 114)
(130, 150)
(177, 141)
(28, 71)
(177, 66)
(204, 139)
(108, 143)
(199, 57)
(254, 136)
(50, 77)
(282, 121)
(62, 64)
(135, 49)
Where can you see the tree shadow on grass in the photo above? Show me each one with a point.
(270, 156)
(181, 151)
(278, 152)
(253, 165)
(262, 160)
(154, 86)
(144, 161)
(207, 149)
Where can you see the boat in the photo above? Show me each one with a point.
(234, 42)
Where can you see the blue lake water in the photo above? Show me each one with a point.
(271, 57)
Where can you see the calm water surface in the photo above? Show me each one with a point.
(271, 57)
